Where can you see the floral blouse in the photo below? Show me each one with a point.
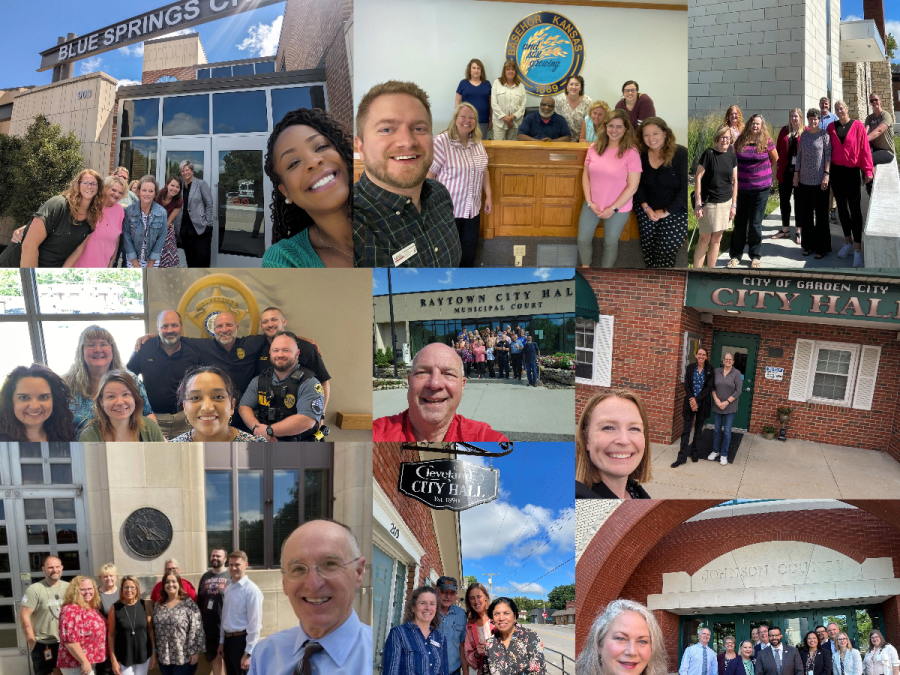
(525, 655)
(242, 437)
(179, 632)
(574, 116)
(85, 627)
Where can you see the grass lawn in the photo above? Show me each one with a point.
(694, 235)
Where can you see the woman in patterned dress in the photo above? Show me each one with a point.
(417, 647)
(511, 649)
(82, 629)
(169, 198)
(178, 628)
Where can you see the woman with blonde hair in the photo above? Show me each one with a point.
(109, 590)
(58, 233)
(637, 625)
(715, 196)
(476, 89)
(82, 629)
(95, 355)
(117, 413)
(787, 145)
(612, 447)
(416, 646)
(734, 121)
(593, 121)
(881, 658)
(478, 627)
(612, 172)
(461, 165)
(508, 99)
(131, 636)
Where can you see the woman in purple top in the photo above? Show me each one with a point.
(756, 154)
(638, 106)
(475, 89)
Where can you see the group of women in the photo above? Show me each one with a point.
(734, 179)
(496, 644)
(99, 400)
(111, 630)
(477, 350)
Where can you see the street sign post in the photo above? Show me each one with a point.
(448, 483)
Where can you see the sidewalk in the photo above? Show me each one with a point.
(519, 412)
(777, 470)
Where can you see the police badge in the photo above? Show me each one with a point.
(289, 401)
(318, 406)
(240, 352)
(319, 389)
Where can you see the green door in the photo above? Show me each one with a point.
(744, 347)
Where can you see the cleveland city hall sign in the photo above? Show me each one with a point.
(448, 483)
(158, 22)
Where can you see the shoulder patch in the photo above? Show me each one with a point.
(319, 389)
(318, 406)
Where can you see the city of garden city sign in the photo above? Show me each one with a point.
(448, 483)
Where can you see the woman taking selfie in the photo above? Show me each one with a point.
(34, 406)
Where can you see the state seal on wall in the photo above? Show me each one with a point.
(548, 49)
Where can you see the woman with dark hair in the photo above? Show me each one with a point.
(630, 623)
(881, 658)
(416, 646)
(787, 145)
(58, 233)
(811, 184)
(117, 413)
(145, 227)
(309, 159)
(131, 638)
(508, 99)
(661, 193)
(699, 378)
(34, 406)
(638, 106)
(816, 661)
(476, 89)
(178, 628)
(573, 105)
(612, 447)
(512, 650)
(169, 198)
(478, 627)
(207, 395)
(745, 665)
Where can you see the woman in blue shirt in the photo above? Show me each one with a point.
(476, 89)
(145, 227)
(416, 647)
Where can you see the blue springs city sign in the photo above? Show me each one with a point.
(548, 50)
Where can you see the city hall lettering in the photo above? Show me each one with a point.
(448, 483)
(780, 569)
(512, 299)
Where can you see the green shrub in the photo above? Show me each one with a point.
(384, 357)
(560, 361)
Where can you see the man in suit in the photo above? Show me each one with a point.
(822, 636)
(778, 659)
(763, 640)
(830, 645)
(754, 638)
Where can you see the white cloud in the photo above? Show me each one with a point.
(374, 283)
(542, 272)
(263, 39)
(125, 82)
(853, 17)
(447, 279)
(531, 587)
(562, 530)
(479, 528)
(893, 27)
(410, 270)
(90, 65)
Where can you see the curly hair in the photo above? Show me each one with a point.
(101, 419)
(762, 141)
(59, 427)
(627, 140)
(290, 219)
(588, 662)
(73, 197)
(73, 594)
(78, 378)
(667, 152)
(409, 614)
(585, 471)
(740, 123)
(199, 370)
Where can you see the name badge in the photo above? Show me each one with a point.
(436, 644)
(404, 254)
(209, 605)
(794, 160)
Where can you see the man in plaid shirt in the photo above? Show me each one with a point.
(400, 218)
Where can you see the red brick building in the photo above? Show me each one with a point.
(824, 345)
(413, 544)
(733, 566)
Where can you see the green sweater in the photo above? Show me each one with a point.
(151, 434)
(293, 252)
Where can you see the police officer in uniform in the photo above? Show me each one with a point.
(285, 402)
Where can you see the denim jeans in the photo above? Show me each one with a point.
(722, 447)
(531, 369)
(588, 222)
(751, 209)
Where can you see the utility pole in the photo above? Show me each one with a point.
(491, 582)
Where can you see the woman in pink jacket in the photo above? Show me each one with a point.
(850, 154)
(478, 627)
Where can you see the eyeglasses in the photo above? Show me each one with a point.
(87, 184)
(873, 100)
(631, 90)
(327, 570)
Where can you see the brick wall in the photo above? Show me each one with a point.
(181, 74)
(386, 469)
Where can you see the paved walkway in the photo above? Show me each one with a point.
(519, 412)
(777, 470)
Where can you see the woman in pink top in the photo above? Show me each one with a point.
(478, 626)
(461, 165)
(612, 173)
(850, 154)
(103, 244)
(480, 357)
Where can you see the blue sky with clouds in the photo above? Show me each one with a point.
(34, 26)
(411, 279)
(852, 10)
(530, 528)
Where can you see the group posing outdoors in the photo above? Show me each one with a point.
(114, 628)
(626, 639)
(419, 201)
(438, 637)
(488, 347)
(823, 164)
(188, 391)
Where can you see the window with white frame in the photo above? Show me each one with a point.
(593, 351)
(689, 349)
(834, 373)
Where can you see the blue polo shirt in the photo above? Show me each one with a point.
(516, 345)
(534, 125)
(453, 627)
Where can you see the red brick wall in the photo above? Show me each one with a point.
(386, 469)
(182, 74)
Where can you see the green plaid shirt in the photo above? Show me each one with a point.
(384, 223)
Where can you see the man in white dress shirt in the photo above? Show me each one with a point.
(699, 659)
(241, 617)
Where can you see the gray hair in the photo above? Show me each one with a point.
(184, 163)
(588, 662)
(703, 628)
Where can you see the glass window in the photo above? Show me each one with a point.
(315, 496)
(35, 509)
(37, 535)
(61, 474)
(285, 100)
(832, 374)
(221, 71)
(203, 74)
(174, 158)
(584, 348)
(250, 515)
(63, 509)
(286, 507)
(139, 157)
(239, 112)
(90, 291)
(140, 118)
(15, 334)
(219, 513)
(245, 69)
(240, 195)
(265, 67)
(32, 474)
(186, 115)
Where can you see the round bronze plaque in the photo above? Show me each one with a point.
(147, 532)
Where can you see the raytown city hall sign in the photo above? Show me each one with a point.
(463, 302)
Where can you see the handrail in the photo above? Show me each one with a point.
(562, 668)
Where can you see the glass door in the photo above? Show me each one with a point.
(176, 150)
(744, 347)
(242, 193)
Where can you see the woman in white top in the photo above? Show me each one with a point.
(881, 659)
(573, 105)
(846, 660)
(507, 103)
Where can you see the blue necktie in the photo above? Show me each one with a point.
(703, 667)
(778, 660)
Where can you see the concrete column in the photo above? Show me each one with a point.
(353, 507)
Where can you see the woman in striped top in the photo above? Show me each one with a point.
(756, 154)
(461, 165)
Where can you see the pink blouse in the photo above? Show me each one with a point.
(479, 354)
(609, 174)
(460, 170)
(104, 239)
(87, 628)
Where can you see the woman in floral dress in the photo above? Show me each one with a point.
(511, 649)
(178, 628)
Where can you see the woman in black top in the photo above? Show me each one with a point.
(662, 193)
(612, 448)
(131, 641)
(815, 660)
(715, 196)
(699, 379)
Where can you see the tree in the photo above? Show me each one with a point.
(470, 579)
(890, 46)
(35, 167)
(558, 596)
